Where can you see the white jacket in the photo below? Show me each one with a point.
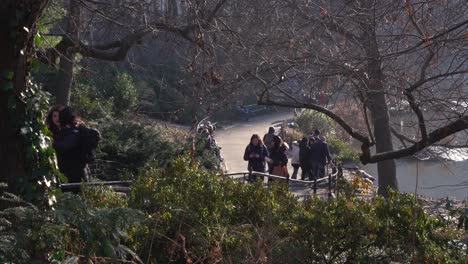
(293, 153)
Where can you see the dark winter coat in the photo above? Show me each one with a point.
(279, 157)
(256, 164)
(319, 153)
(69, 158)
(267, 139)
(304, 153)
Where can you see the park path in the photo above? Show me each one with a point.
(234, 138)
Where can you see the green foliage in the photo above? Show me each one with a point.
(17, 219)
(189, 203)
(310, 120)
(341, 150)
(206, 157)
(104, 92)
(123, 94)
(101, 196)
(197, 215)
(72, 229)
(102, 230)
(128, 146)
(87, 101)
(39, 151)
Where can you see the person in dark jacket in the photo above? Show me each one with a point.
(67, 146)
(278, 156)
(255, 154)
(319, 157)
(304, 158)
(268, 141)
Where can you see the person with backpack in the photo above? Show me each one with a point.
(74, 144)
(255, 153)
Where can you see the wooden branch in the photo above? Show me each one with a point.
(421, 82)
(425, 41)
(435, 136)
(327, 22)
(401, 137)
(351, 131)
(419, 114)
(124, 46)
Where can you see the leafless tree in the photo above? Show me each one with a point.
(108, 30)
(374, 54)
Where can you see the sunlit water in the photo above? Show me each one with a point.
(436, 179)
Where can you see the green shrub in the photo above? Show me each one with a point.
(71, 229)
(341, 150)
(310, 120)
(209, 212)
(128, 146)
(196, 215)
(103, 92)
(101, 196)
(87, 102)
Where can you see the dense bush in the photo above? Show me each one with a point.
(72, 231)
(184, 213)
(341, 150)
(104, 92)
(198, 216)
(310, 120)
(128, 146)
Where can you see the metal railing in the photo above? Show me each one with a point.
(331, 177)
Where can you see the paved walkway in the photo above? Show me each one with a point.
(234, 139)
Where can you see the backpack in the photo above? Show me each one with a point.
(89, 141)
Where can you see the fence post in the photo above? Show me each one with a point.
(338, 176)
(315, 185)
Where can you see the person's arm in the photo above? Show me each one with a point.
(283, 158)
(265, 152)
(66, 143)
(246, 153)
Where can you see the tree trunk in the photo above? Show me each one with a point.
(18, 20)
(65, 75)
(375, 93)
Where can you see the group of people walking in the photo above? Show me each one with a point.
(311, 154)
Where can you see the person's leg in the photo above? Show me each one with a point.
(313, 172)
(303, 172)
(296, 170)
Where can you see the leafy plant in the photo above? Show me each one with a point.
(196, 215)
(341, 150)
(128, 146)
(40, 184)
(310, 120)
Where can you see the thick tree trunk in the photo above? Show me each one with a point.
(378, 106)
(65, 76)
(17, 29)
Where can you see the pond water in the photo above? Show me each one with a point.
(432, 178)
